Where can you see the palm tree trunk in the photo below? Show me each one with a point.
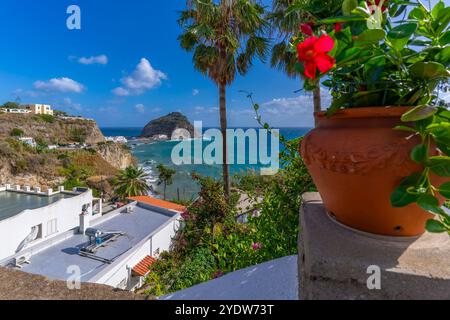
(317, 101)
(223, 128)
(165, 187)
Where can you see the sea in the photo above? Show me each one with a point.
(183, 187)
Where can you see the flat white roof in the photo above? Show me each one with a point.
(55, 261)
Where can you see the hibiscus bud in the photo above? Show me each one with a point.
(338, 27)
(306, 29)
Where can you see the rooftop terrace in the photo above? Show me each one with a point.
(54, 261)
(13, 203)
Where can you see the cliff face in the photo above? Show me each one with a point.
(116, 154)
(21, 164)
(166, 125)
(51, 130)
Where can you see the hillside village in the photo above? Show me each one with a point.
(45, 147)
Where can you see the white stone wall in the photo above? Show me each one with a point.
(66, 213)
(162, 240)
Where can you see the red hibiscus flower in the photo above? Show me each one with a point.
(306, 29)
(313, 52)
(338, 27)
(377, 4)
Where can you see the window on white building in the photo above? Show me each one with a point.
(52, 227)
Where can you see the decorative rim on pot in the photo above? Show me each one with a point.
(369, 112)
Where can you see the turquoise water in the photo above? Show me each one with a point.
(12, 203)
(150, 155)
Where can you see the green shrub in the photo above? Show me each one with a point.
(47, 118)
(16, 132)
(199, 267)
(170, 275)
(78, 135)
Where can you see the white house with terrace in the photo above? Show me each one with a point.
(45, 109)
(63, 234)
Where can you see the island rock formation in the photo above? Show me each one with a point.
(163, 128)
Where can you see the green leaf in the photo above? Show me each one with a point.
(437, 8)
(419, 113)
(417, 13)
(430, 203)
(445, 190)
(440, 132)
(435, 226)
(440, 166)
(348, 6)
(445, 148)
(444, 56)
(428, 70)
(419, 153)
(445, 38)
(370, 36)
(348, 55)
(400, 35)
(343, 19)
(401, 197)
(405, 128)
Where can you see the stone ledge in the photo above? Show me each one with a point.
(333, 261)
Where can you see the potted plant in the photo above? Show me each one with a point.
(380, 154)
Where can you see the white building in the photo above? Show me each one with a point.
(69, 118)
(29, 141)
(40, 109)
(57, 234)
(17, 111)
(119, 139)
(31, 108)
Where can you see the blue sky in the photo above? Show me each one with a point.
(125, 66)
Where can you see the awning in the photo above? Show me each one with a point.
(142, 268)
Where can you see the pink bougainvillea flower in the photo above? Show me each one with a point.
(338, 27)
(313, 53)
(185, 215)
(256, 246)
(305, 28)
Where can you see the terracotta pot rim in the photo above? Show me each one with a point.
(366, 112)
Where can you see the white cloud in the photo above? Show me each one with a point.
(140, 108)
(203, 110)
(121, 92)
(101, 59)
(143, 78)
(59, 85)
(300, 105)
(195, 92)
(67, 102)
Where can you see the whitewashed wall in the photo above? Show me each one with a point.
(66, 212)
(121, 270)
(162, 240)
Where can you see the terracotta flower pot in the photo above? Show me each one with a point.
(357, 160)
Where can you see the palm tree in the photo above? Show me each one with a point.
(131, 182)
(224, 36)
(286, 18)
(165, 177)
